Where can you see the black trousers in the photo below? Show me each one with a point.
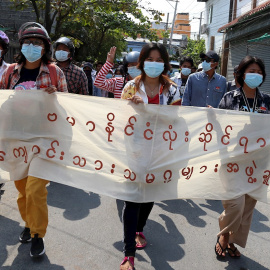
(135, 216)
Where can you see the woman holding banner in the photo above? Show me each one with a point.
(33, 71)
(236, 218)
(151, 87)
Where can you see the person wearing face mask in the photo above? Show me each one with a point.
(152, 87)
(115, 85)
(88, 69)
(33, 71)
(181, 78)
(77, 81)
(4, 44)
(235, 221)
(205, 88)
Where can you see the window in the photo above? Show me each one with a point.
(210, 14)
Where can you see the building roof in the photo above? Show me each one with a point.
(245, 16)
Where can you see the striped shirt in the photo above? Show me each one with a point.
(114, 85)
(77, 81)
(43, 79)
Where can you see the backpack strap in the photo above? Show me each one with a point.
(53, 74)
(10, 69)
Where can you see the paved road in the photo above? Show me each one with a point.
(85, 232)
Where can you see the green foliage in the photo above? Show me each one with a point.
(193, 50)
(94, 25)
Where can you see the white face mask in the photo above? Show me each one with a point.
(61, 56)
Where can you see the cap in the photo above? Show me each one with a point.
(87, 64)
(211, 55)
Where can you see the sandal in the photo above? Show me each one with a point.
(233, 251)
(222, 249)
(131, 260)
(139, 246)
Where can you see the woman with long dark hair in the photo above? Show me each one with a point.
(151, 87)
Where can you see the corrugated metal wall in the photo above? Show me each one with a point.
(240, 48)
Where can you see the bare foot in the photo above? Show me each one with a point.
(126, 266)
(233, 251)
(222, 245)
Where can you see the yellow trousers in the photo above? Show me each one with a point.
(32, 204)
(236, 219)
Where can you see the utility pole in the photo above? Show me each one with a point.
(166, 28)
(200, 24)
(175, 11)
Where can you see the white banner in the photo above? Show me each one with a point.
(134, 152)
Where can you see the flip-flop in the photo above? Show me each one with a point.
(138, 246)
(222, 249)
(131, 260)
(234, 252)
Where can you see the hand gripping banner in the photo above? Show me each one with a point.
(134, 152)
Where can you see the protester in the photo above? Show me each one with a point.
(118, 73)
(236, 218)
(97, 90)
(76, 79)
(181, 78)
(233, 85)
(4, 44)
(115, 85)
(205, 88)
(88, 69)
(33, 71)
(152, 87)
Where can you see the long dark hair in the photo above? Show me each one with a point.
(46, 57)
(245, 63)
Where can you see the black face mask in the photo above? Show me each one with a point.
(88, 72)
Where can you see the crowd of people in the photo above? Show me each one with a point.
(142, 78)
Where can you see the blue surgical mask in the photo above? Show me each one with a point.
(133, 72)
(61, 56)
(253, 80)
(32, 53)
(108, 76)
(118, 76)
(186, 71)
(153, 69)
(206, 66)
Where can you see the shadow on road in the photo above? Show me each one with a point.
(157, 235)
(76, 202)
(9, 235)
(190, 210)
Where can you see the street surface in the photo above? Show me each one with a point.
(85, 232)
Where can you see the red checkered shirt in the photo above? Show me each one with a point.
(43, 79)
(114, 85)
(77, 81)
